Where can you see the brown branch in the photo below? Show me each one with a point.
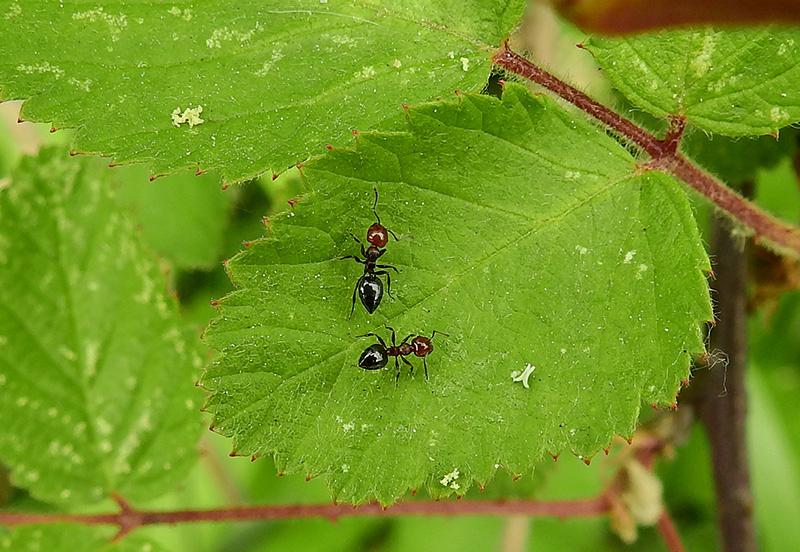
(517, 64)
(719, 394)
(664, 153)
(128, 518)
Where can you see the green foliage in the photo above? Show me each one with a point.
(275, 81)
(526, 234)
(738, 160)
(75, 538)
(577, 266)
(182, 216)
(735, 82)
(96, 378)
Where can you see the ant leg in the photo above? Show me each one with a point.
(394, 342)
(425, 364)
(388, 282)
(435, 332)
(406, 339)
(374, 335)
(362, 261)
(410, 366)
(389, 266)
(355, 290)
(397, 377)
(359, 242)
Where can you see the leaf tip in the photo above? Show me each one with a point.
(685, 382)
(355, 132)
(655, 406)
(214, 303)
(274, 176)
(246, 243)
(225, 187)
(606, 450)
(555, 457)
(253, 458)
(405, 107)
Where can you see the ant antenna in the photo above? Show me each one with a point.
(375, 205)
(435, 332)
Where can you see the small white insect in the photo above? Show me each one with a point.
(523, 377)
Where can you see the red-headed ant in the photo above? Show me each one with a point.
(377, 356)
(369, 287)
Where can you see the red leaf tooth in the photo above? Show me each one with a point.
(329, 147)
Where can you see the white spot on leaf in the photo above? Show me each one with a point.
(190, 116)
(523, 377)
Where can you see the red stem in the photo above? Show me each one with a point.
(664, 153)
(669, 533)
(129, 518)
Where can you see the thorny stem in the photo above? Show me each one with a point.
(664, 154)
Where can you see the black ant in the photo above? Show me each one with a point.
(369, 287)
(377, 356)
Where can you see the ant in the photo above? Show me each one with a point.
(377, 356)
(369, 287)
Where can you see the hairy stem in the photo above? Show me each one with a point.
(664, 153)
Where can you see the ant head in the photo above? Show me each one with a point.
(422, 346)
(377, 235)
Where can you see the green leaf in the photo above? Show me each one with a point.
(95, 379)
(276, 80)
(182, 216)
(580, 266)
(75, 538)
(734, 82)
